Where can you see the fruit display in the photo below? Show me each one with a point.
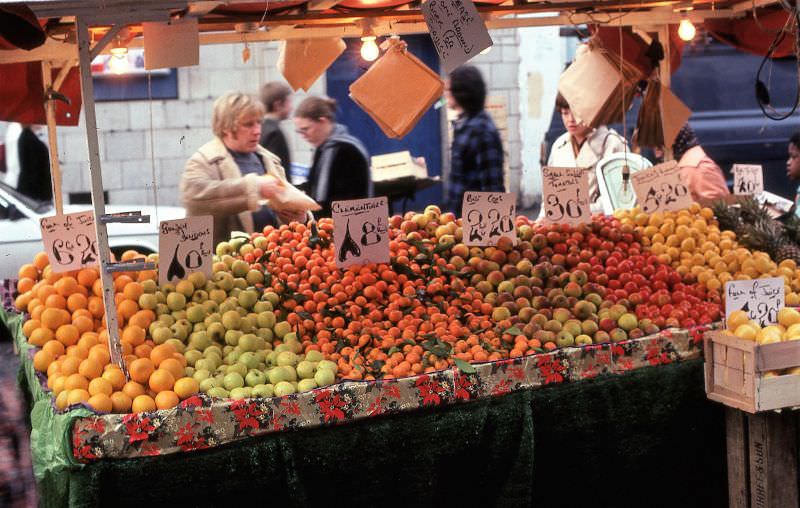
(278, 317)
(740, 325)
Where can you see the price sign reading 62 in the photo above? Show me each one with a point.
(70, 241)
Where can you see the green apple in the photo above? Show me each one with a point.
(255, 377)
(324, 377)
(281, 329)
(327, 364)
(305, 369)
(207, 384)
(287, 358)
(279, 374)
(239, 393)
(305, 385)
(266, 319)
(265, 391)
(262, 306)
(284, 388)
(219, 392)
(314, 356)
(233, 380)
(248, 342)
(201, 374)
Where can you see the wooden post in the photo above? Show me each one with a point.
(738, 463)
(773, 460)
(50, 111)
(665, 72)
(98, 201)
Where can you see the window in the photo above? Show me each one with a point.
(123, 78)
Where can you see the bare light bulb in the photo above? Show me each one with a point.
(118, 64)
(369, 48)
(686, 30)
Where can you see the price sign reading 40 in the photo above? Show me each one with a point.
(360, 232)
(488, 216)
(70, 241)
(748, 179)
(184, 246)
(566, 195)
(660, 188)
(760, 298)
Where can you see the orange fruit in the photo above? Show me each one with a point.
(127, 308)
(40, 336)
(142, 350)
(115, 377)
(140, 370)
(61, 400)
(134, 335)
(166, 399)
(45, 290)
(130, 254)
(143, 403)
(66, 286)
(75, 381)
(100, 385)
(25, 284)
(77, 395)
(87, 276)
(185, 387)
(55, 367)
(97, 288)
(40, 260)
(133, 290)
(54, 347)
(56, 301)
(161, 380)
(120, 281)
(41, 360)
(101, 403)
(32, 306)
(99, 355)
(77, 351)
(96, 306)
(70, 365)
(133, 389)
(49, 275)
(28, 271)
(161, 353)
(53, 318)
(29, 326)
(90, 369)
(77, 301)
(120, 403)
(173, 366)
(88, 340)
(68, 334)
(58, 384)
(142, 318)
(83, 324)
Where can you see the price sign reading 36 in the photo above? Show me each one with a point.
(566, 195)
(70, 241)
(487, 216)
(660, 188)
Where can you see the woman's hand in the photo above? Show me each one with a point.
(292, 215)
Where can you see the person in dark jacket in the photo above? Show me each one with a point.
(34, 166)
(476, 154)
(277, 99)
(340, 168)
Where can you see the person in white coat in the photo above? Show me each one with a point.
(583, 146)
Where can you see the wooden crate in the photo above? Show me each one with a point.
(735, 369)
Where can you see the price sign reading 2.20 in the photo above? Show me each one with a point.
(70, 241)
(566, 195)
(660, 189)
(360, 231)
(488, 216)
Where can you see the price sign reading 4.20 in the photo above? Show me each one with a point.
(488, 216)
(70, 241)
(660, 189)
(748, 179)
(760, 298)
(566, 195)
(184, 246)
(360, 232)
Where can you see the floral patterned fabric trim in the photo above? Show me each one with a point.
(200, 422)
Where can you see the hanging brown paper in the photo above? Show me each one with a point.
(396, 91)
(302, 61)
(661, 117)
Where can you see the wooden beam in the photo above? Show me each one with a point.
(752, 4)
(101, 44)
(321, 5)
(52, 50)
(50, 113)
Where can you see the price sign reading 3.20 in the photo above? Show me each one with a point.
(760, 298)
(360, 233)
(487, 216)
(566, 195)
(660, 189)
(70, 241)
(748, 179)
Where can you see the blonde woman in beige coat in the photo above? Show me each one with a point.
(228, 177)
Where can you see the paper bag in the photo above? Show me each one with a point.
(661, 117)
(396, 91)
(290, 198)
(302, 61)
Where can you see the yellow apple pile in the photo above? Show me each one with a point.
(788, 328)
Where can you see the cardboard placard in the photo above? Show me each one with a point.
(457, 30)
(360, 232)
(173, 44)
(748, 179)
(70, 241)
(303, 61)
(660, 188)
(566, 195)
(185, 246)
(487, 216)
(760, 298)
(395, 165)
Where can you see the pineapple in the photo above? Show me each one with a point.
(755, 229)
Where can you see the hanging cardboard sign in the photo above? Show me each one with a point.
(391, 166)
(173, 44)
(303, 61)
(185, 246)
(457, 30)
(660, 188)
(748, 179)
(360, 233)
(566, 195)
(488, 216)
(70, 241)
(760, 298)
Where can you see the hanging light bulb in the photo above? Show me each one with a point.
(369, 48)
(686, 30)
(118, 64)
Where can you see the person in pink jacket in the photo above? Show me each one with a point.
(699, 172)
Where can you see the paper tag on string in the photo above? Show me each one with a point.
(748, 179)
(566, 195)
(761, 299)
(185, 246)
(488, 216)
(660, 188)
(457, 30)
(360, 231)
(70, 241)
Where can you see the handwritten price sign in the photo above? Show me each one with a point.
(70, 241)
(760, 298)
(660, 188)
(487, 217)
(360, 233)
(457, 30)
(184, 246)
(566, 195)
(748, 179)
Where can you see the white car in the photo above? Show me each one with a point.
(21, 236)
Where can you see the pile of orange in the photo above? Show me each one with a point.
(67, 321)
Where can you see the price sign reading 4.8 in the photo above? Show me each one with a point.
(760, 298)
(488, 216)
(70, 241)
(184, 246)
(660, 189)
(748, 179)
(566, 195)
(360, 232)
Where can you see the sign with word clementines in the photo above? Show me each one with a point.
(566, 195)
(185, 246)
(457, 30)
(488, 216)
(760, 298)
(360, 231)
(748, 179)
(660, 189)
(70, 241)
